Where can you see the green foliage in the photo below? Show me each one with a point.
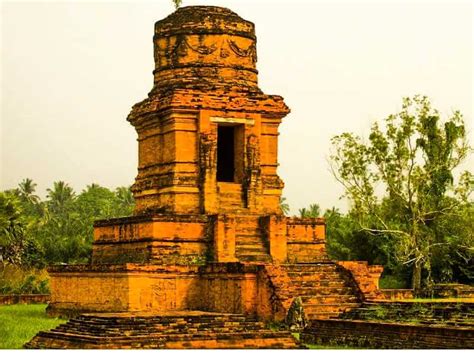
(391, 282)
(17, 280)
(34, 233)
(312, 211)
(284, 206)
(401, 186)
(16, 245)
(20, 323)
(177, 3)
(345, 240)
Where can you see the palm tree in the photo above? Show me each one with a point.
(11, 228)
(60, 198)
(26, 190)
(284, 206)
(312, 211)
(125, 199)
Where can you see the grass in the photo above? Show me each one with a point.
(330, 347)
(20, 323)
(322, 347)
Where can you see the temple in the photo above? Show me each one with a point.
(208, 234)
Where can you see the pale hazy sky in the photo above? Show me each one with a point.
(72, 70)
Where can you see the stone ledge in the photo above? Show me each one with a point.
(24, 299)
(387, 335)
(234, 267)
(152, 218)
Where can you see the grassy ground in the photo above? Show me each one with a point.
(324, 347)
(19, 323)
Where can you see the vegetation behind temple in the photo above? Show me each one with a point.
(411, 203)
(35, 233)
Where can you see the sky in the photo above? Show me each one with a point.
(71, 71)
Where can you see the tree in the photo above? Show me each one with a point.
(345, 240)
(59, 229)
(66, 231)
(177, 3)
(11, 228)
(312, 211)
(401, 184)
(125, 201)
(16, 246)
(27, 190)
(284, 206)
(60, 198)
(454, 260)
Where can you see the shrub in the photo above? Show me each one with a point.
(15, 280)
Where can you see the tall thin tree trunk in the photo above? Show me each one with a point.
(416, 278)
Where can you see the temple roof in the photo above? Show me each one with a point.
(205, 47)
(204, 20)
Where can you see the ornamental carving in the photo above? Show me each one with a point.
(249, 52)
(253, 154)
(208, 151)
(225, 47)
(182, 45)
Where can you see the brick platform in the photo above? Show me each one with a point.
(430, 313)
(378, 335)
(172, 330)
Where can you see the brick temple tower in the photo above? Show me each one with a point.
(208, 233)
(207, 134)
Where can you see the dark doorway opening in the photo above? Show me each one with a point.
(225, 153)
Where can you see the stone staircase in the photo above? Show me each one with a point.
(249, 242)
(325, 289)
(178, 330)
(230, 197)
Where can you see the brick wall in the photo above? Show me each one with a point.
(365, 334)
(396, 294)
(23, 299)
(306, 239)
(366, 276)
(219, 287)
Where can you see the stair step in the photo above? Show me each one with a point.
(329, 299)
(318, 283)
(324, 291)
(314, 274)
(126, 332)
(255, 258)
(249, 236)
(243, 242)
(310, 269)
(250, 248)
